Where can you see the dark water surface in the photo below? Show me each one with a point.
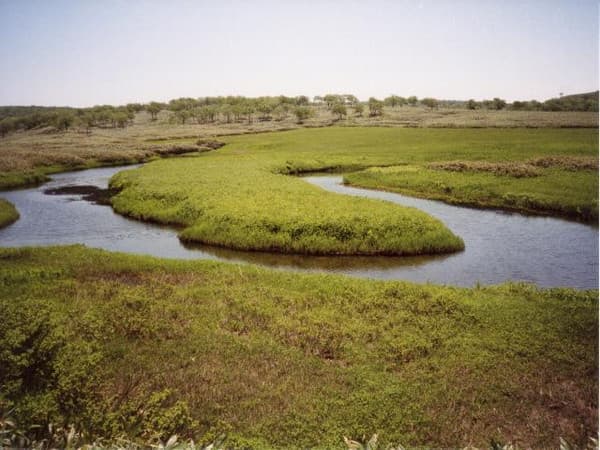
(499, 246)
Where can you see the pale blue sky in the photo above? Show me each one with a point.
(88, 52)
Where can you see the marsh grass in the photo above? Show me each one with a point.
(121, 346)
(8, 213)
(242, 196)
(233, 202)
(516, 187)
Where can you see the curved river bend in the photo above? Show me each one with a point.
(499, 246)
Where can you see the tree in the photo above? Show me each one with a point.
(226, 111)
(332, 99)
(340, 110)
(265, 107)
(302, 113)
(63, 120)
(350, 100)
(471, 104)
(182, 115)
(238, 111)
(498, 103)
(429, 102)
(89, 120)
(394, 101)
(281, 111)
(134, 107)
(375, 107)
(412, 100)
(154, 108)
(120, 118)
(7, 125)
(359, 109)
(534, 105)
(182, 103)
(302, 100)
(248, 110)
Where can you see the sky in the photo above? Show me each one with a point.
(88, 52)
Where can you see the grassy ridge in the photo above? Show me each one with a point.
(8, 213)
(551, 191)
(241, 196)
(143, 348)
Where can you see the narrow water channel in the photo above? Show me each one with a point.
(499, 246)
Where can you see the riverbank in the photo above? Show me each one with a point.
(202, 348)
(552, 190)
(66, 211)
(22, 172)
(8, 213)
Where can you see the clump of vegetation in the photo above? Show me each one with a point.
(8, 213)
(375, 107)
(109, 346)
(512, 169)
(210, 144)
(567, 162)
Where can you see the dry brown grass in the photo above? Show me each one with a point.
(567, 162)
(513, 169)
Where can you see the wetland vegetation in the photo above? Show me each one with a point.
(243, 197)
(139, 349)
(521, 187)
(133, 347)
(8, 213)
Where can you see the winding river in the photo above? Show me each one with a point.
(500, 246)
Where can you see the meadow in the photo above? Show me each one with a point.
(243, 195)
(139, 349)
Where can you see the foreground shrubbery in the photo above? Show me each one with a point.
(136, 348)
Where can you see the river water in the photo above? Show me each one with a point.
(499, 246)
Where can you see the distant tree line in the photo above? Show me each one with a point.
(27, 118)
(232, 109)
(578, 102)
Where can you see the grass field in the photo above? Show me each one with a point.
(242, 196)
(8, 213)
(126, 346)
